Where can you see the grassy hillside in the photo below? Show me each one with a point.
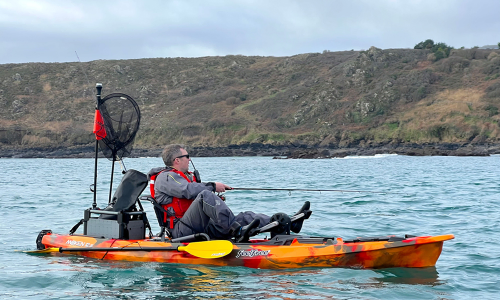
(331, 99)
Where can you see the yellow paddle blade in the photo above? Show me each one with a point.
(48, 250)
(208, 249)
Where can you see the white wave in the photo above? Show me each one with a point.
(367, 156)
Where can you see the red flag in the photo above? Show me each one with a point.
(99, 129)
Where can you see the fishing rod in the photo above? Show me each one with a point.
(98, 86)
(312, 190)
(83, 69)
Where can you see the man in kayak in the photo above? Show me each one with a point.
(193, 207)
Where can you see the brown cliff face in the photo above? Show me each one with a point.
(331, 100)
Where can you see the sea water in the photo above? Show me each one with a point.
(424, 196)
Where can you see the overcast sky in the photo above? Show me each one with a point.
(52, 30)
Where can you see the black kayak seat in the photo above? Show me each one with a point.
(126, 195)
(124, 217)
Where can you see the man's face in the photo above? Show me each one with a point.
(181, 163)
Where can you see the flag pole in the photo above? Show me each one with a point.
(98, 87)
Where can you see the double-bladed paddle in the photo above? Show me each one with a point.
(207, 249)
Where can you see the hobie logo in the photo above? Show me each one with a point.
(79, 244)
(252, 253)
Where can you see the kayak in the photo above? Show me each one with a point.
(118, 232)
(280, 252)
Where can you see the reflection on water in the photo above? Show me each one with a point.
(97, 279)
(428, 276)
(118, 279)
(198, 281)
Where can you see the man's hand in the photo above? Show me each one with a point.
(221, 187)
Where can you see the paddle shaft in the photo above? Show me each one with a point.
(118, 249)
(206, 249)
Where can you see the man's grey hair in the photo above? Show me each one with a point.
(170, 152)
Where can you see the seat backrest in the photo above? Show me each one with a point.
(132, 185)
(160, 216)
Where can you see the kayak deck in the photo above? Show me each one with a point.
(278, 253)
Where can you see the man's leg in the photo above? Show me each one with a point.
(207, 214)
(245, 218)
(193, 221)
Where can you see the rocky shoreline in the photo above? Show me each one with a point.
(409, 151)
(291, 151)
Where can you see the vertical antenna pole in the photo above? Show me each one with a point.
(111, 183)
(196, 173)
(98, 87)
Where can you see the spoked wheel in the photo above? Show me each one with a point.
(284, 224)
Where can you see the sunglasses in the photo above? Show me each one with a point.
(186, 156)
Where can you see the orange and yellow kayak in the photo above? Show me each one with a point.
(280, 252)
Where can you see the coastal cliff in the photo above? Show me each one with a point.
(328, 104)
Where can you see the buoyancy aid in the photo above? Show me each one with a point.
(179, 205)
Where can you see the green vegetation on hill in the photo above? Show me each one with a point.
(439, 50)
(430, 94)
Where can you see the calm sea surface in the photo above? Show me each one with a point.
(441, 195)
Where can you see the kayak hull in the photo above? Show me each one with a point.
(295, 252)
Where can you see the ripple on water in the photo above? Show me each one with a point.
(440, 195)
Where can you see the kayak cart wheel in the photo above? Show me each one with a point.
(39, 238)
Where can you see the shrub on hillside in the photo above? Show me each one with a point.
(416, 85)
(232, 100)
(229, 81)
(492, 55)
(471, 53)
(427, 44)
(440, 50)
(230, 93)
(493, 91)
(492, 110)
(492, 67)
(452, 64)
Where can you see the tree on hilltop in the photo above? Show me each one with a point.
(427, 44)
(440, 50)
